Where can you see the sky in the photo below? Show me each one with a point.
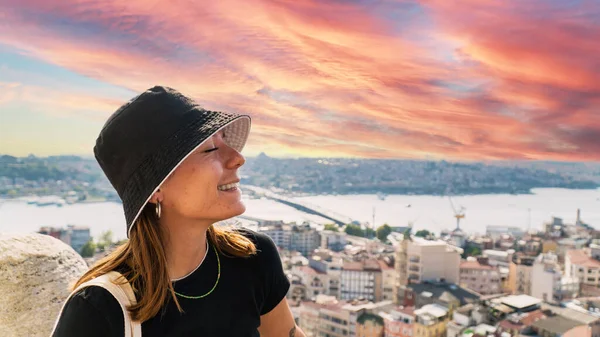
(428, 79)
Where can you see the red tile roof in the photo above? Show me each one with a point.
(580, 258)
(384, 266)
(474, 265)
(309, 270)
(524, 322)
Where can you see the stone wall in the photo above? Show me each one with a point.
(36, 272)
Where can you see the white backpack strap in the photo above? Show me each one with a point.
(123, 293)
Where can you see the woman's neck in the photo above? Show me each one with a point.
(186, 249)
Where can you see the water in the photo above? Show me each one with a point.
(436, 213)
(427, 212)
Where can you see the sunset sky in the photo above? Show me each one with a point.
(437, 79)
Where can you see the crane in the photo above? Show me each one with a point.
(458, 214)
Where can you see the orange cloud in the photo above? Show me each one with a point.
(474, 80)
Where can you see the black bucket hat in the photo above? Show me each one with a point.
(147, 138)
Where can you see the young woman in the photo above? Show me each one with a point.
(175, 167)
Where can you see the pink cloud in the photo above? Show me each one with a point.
(332, 78)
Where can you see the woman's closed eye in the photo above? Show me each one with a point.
(211, 150)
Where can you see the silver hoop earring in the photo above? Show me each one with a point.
(158, 209)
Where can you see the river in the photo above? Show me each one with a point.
(427, 212)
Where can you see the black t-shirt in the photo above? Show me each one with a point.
(248, 288)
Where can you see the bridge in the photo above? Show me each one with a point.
(338, 219)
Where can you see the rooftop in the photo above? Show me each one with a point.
(309, 270)
(556, 324)
(367, 265)
(475, 265)
(520, 301)
(434, 310)
(583, 317)
(439, 289)
(519, 321)
(581, 258)
(424, 242)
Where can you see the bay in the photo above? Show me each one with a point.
(427, 212)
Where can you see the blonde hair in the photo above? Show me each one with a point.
(144, 256)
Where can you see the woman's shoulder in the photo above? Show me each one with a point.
(264, 244)
(92, 310)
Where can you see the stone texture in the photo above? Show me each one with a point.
(36, 272)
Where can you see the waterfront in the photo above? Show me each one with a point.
(430, 212)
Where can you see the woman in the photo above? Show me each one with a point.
(175, 166)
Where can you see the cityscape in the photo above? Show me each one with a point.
(352, 279)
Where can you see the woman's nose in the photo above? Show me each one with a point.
(236, 159)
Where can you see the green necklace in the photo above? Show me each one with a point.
(213, 288)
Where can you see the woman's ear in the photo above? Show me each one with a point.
(156, 197)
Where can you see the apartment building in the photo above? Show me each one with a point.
(519, 278)
(361, 280)
(548, 281)
(419, 259)
(584, 264)
(479, 276)
(430, 321)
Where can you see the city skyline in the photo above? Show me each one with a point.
(475, 80)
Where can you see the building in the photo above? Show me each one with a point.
(304, 239)
(335, 241)
(448, 295)
(278, 231)
(430, 321)
(315, 281)
(463, 318)
(324, 317)
(555, 228)
(478, 275)
(502, 260)
(327, 316)
(330, 263)
(495, 232)
(388, 279)
(571, 243)
(502, 307)
(300, 238)
(549, 246)
(519, 277)
(74, 236)
(399, 322)
(549, 283)
(364, 321)
(421, 260)
(361, 280)
(519, 323)
(560, 326)
(79, 236)
(591, 320)
(584, 264)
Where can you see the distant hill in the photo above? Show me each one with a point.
(349, 176)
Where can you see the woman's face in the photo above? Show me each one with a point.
(192, 192)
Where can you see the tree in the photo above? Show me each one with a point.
(383, 232)
(88, 249)
(354, 230)
(370, 232)
(106, 240)
(332, 227)
(471, 251)
(423, 233)
(107, 237)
